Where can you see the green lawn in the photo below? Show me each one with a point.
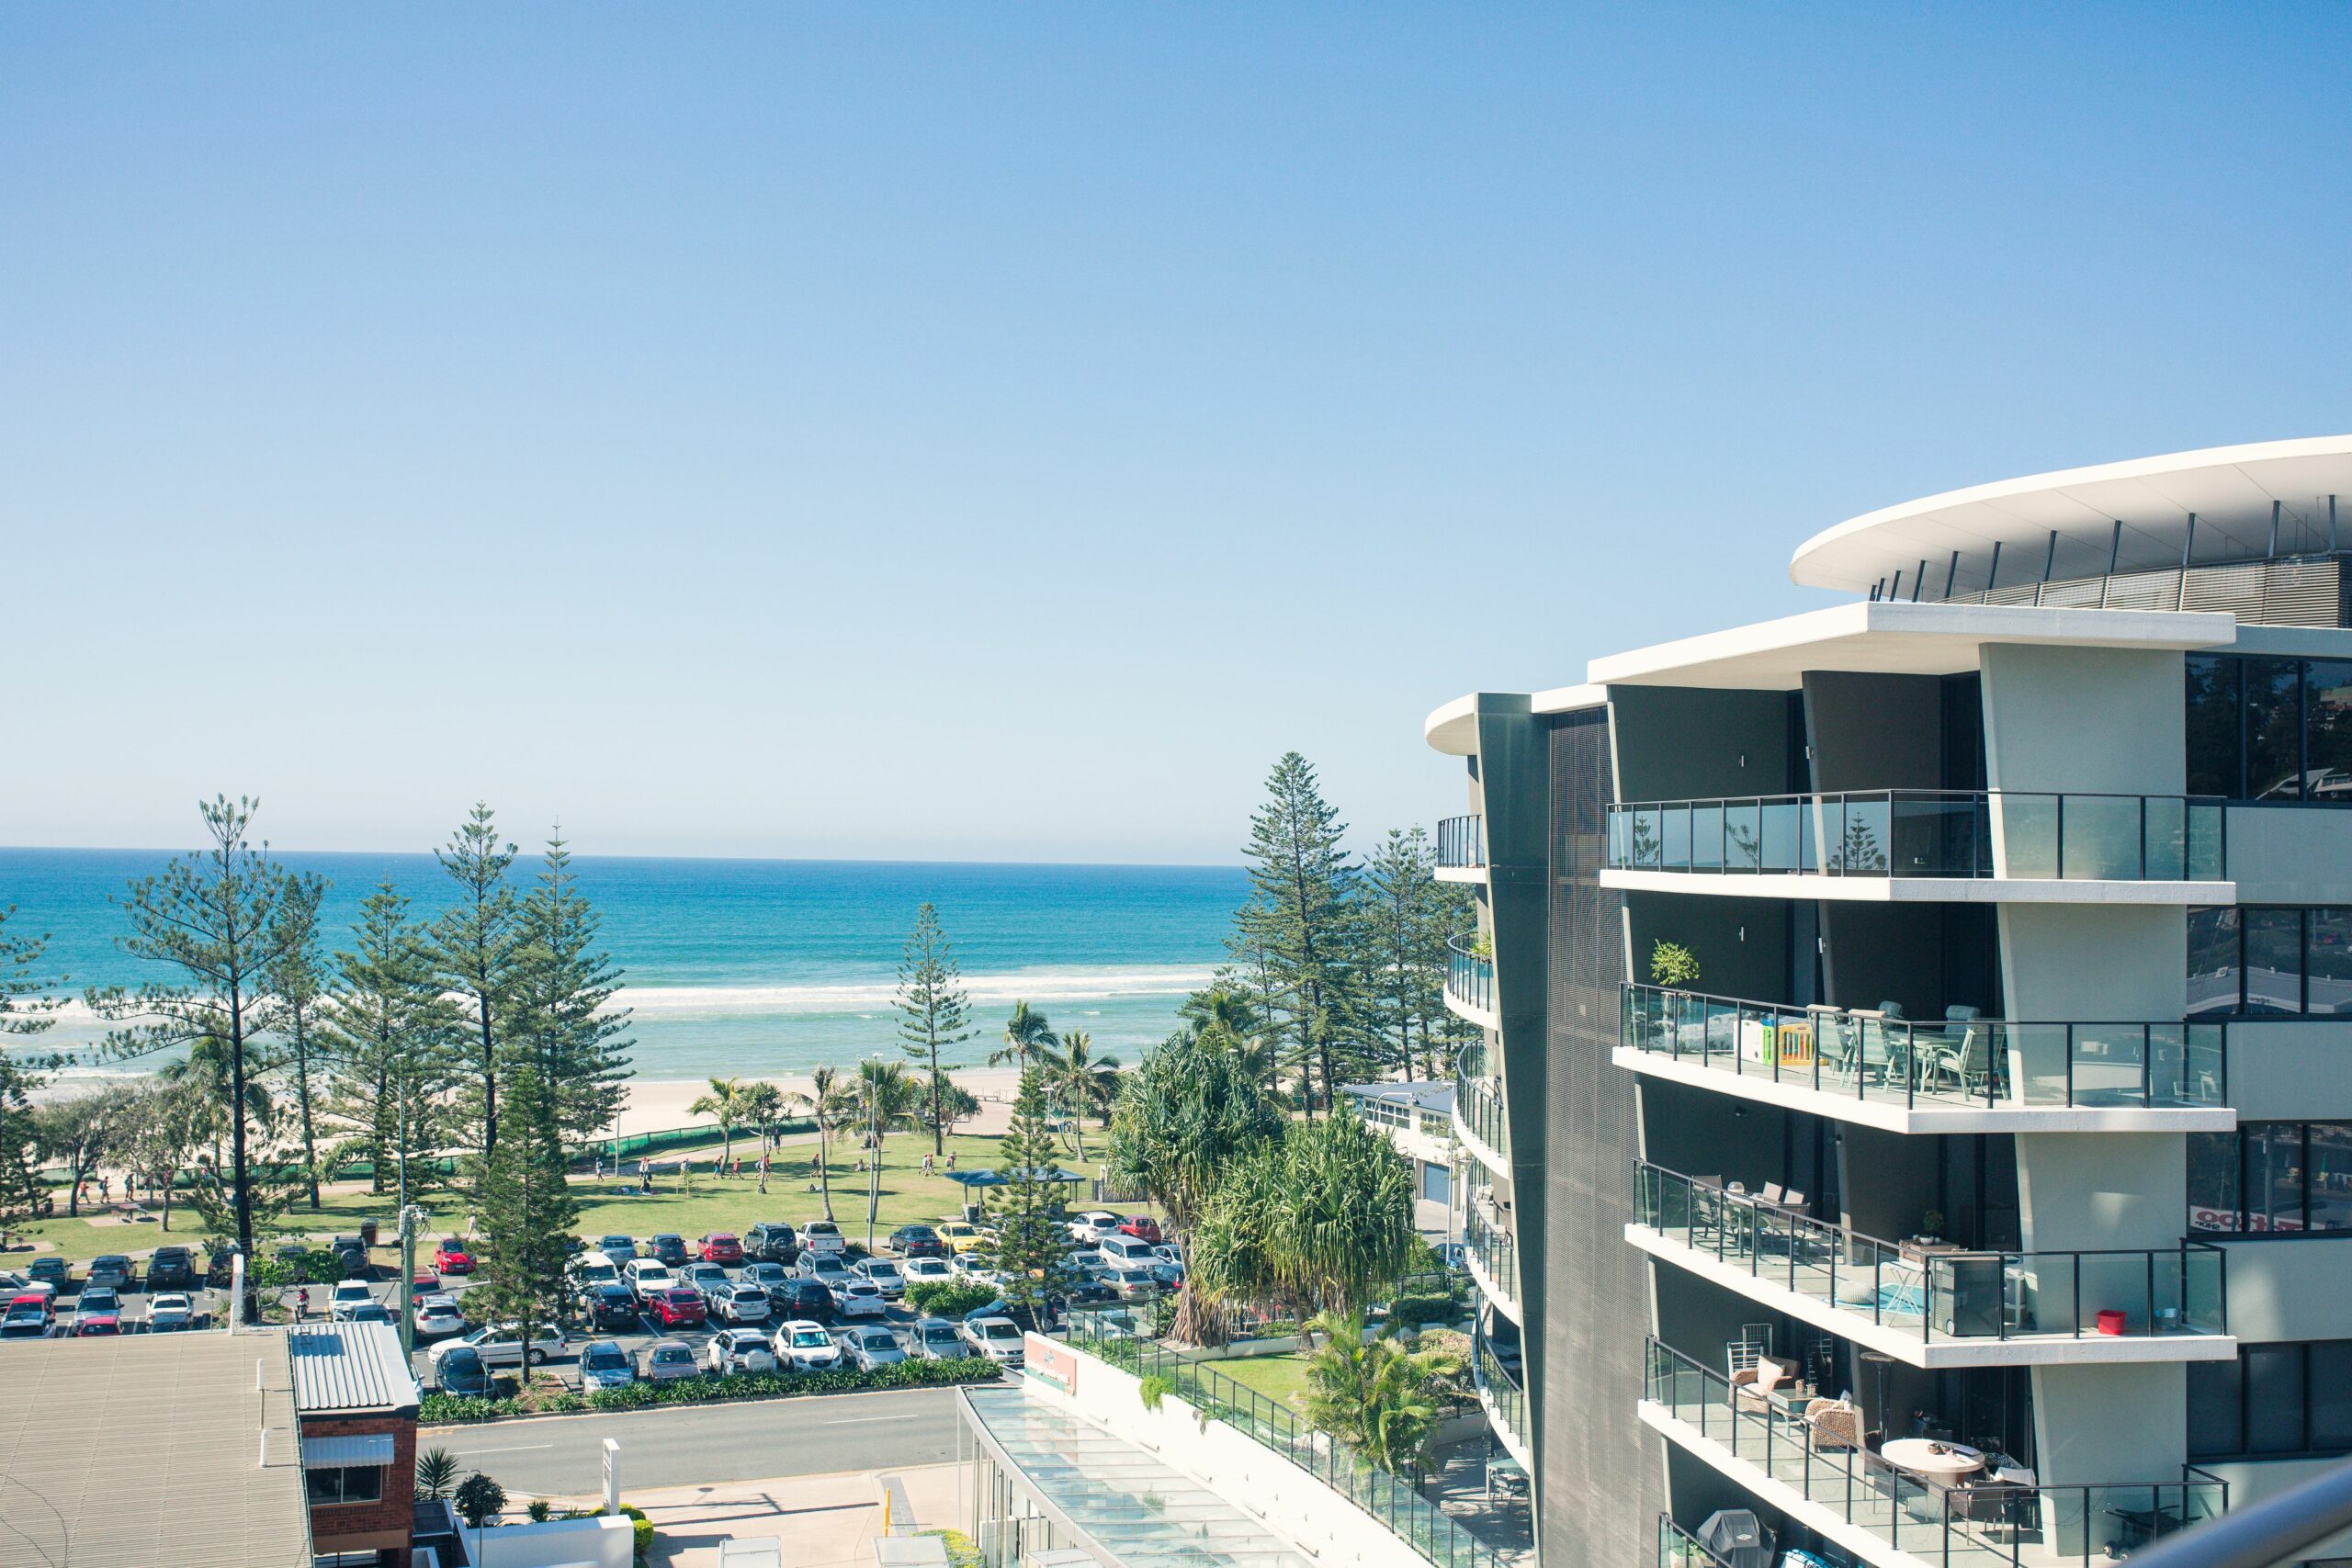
(700, 1204)
(1282, 1377)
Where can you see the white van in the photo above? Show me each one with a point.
(1126, 1252)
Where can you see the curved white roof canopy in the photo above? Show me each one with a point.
(2231, 490)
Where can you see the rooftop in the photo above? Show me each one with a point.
(350, 1367)
(1438, 1097)
(151, 1449)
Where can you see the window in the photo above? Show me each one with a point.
(359, 1484)
(2273, 1400)
(2216, 747)
(2271, 1179)
(2216, 973)
(2256, 963)
(2269, 728)
(2274, 725)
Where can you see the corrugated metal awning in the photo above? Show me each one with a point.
(348, 1453)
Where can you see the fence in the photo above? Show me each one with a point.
(637, 1143)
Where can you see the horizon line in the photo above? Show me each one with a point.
(523, 852)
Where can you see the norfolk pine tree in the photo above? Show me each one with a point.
(526, 1212)
(1032, 1219)
(558, 1015)
(393, 1035)
(29, 1001)
(475, 944)
(299, 978)
(933, 1012)
(1301, 917)
(1406, 925)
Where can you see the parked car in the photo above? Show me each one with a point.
(98, 1310)
(703, 1277)
(738, 1302)
(647, 1278)
(112, 1271)
(738, 1350)
(884, 1276)
(668, 1248)
(370, 1312)
(998, 1338)
(1131, 1284)
(806, 1347)
(805, 1299)
(426, 1277)
(826, 1267)
(458, 1367)
(351, 1257)
(668, 1360)
(860, 1298)
(501, 1344)
(979, 1273)
(1094, 1225)
(591, 1269)
(438, 1315)
(455, 1255)
(1167, 1276)
(871, 1347)
(934, 1340)
(347, 1296)
(772, 1241)
(962, 1235)
(52, 1271)
(678, 1307)
(721, 1246)
(1124, 1252)
(1453, 1254)
(170, 1312)
(172, 1268)
(28, 1316)
(928, 1271)
(1141, 1227)
(610, 1306)
(619, 1249)
(766, 1276)
(821, 1235)
(917, 1241)
(604, 1364)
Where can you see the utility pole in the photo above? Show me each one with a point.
(874, 1165)
(409, 1215)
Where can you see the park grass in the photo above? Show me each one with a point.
(1282, 1378)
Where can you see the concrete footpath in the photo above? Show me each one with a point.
(824, 1521)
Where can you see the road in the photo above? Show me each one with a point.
(696, 1445)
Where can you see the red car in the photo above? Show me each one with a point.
(96, 1323)
(680, 1308)
(1143, 1227)
(427, 1278)
(722, 1249)
(453, 1255)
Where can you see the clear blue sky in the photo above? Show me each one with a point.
(999, 431)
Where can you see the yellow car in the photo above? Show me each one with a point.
(964, 1237)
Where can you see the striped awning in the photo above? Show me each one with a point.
(347, 1452)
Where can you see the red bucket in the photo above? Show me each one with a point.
(2110, 1322)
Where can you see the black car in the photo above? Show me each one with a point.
(800, 1298)
(917, 1241)
(609, 1306)
(772, 1241)
(172, 1268)
(669, 1249)
(52, 1271)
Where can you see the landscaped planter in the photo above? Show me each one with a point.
(444, 1410)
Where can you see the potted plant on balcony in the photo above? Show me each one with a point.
(1671, 963)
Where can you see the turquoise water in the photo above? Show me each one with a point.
(766, 966)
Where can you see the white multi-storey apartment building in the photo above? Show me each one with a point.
(1915, 1102)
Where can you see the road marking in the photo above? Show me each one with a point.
(869, 1420)
(517, 1448)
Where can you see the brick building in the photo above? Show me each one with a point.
(356, 1400)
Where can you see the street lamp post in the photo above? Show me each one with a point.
(873, 1139)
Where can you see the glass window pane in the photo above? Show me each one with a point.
(2274, 1399)
(2213, 1182)
(2215, 1389)
(2331, 1394)
(2213, 959)
(2328, 961)
(2213, 725)
(2330, 1183)
(2327, 729)
(2274, 1175)
(2273, 961)
(2274, 725)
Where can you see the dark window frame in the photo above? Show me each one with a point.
(342, 1485)
(2305, 925)
(2243, 1414)
(2230, 689)
(2253, 1186)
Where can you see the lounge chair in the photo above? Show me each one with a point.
(1836, 1424)
(1750, 1386)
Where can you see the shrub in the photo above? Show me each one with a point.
(640, 1528)
(962, 1551)
(1416, 1311)
(540, 1510)
(444, 1409)
(1155, 1388)
(1671, 963)
(949, 1298)
(478, 1497)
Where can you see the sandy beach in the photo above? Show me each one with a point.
(656, 1106)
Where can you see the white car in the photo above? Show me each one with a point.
(887, 1277)
(739, 1351)
(1094, 1225)
(935, 1339)
(860, 1298)
(647, 1277)
(823, 1237)
(501, 1344)
(871, 1347)
(169, 1313)
(349, 1296)
(928, 1271)
(807, 1347)
(593, 1268)
(968, 1266)
(739, 1303)
(704, 1277)
(998, 1338)
(439, 1314)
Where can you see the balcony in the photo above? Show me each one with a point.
(1927, 845)
(1678, 1548)
(1953, 1075)
(1462, 849)
(1479, 1117)
(1470, 982)
(1493, 1257)
(1889, 1517)
(1505, 1400)
(1933, 1305)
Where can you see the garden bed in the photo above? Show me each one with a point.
(450, 1410)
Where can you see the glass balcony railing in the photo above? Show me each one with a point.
(1461, 843)
(1469, 974)
(1678, 1548)
(1501, 1385)
(1981, 1062)
(1479, 1100)
(1940, 833)
(1492, 1248)
(1938, 1293)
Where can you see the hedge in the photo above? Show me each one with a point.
(950, 1298)
(448, 1409)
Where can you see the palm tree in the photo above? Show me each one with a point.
(1026, 1032)
(887, 1101)
(1377, 1396)
(829, 1104)
(1086, 1081)
(436, 1473)
(1223, 1016)
(724, 1105)
(762, 1105)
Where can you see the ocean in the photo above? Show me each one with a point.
(754, 966)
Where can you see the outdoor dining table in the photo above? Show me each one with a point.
(1941, 1463)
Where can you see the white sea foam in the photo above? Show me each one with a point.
(872, 998)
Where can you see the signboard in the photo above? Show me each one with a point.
(611, 1476)
(1049, 1361)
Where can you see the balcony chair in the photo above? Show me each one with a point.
(1838, 1039)
(1836, 1425)
(1752, 1386)
(1968, 1065)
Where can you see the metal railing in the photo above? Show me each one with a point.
(1491, 1246)
(1678, 1548)
(1411, 1518)
(1469, 974)
(1505, 1397)
(1990, 1063)
(1981, 1524)
(1940, 833)
(1478, 1101)
(1461, 843)
(1941, 1292)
